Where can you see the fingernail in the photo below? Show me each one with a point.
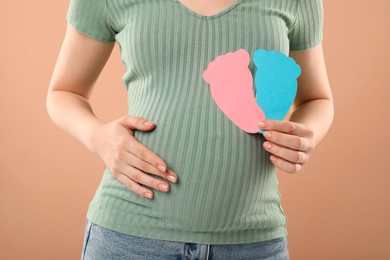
(163, 186)
(273, 158)
(267, 134)
(261, 124)
(162, 168)
(148, 123)
(148, 195)
(172, 178)
(267, 145)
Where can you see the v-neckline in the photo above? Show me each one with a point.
(206, 17)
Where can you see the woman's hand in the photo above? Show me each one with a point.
(127, 158)
(289, 143)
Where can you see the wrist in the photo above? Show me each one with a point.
(91, 129)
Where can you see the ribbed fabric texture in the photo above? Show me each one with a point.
(227, 190)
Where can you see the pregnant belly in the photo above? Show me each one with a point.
(225, 177)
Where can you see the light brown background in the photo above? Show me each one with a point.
(337, 208)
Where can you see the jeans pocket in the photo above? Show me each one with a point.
(87, 231)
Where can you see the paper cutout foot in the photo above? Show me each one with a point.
(276, 82)
(231, 86)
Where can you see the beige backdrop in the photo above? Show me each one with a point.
(338, 208)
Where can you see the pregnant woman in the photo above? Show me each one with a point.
(182, 180)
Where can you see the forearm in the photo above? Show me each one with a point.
(73, 114)
(316, 114)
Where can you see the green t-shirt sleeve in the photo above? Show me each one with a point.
(90, 17)
(306, 30)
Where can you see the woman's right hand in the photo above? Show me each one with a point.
(128, 159)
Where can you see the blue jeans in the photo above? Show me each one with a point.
(104, 244)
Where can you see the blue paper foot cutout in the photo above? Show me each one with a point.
(276, 82)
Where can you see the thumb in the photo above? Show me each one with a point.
(137, 123)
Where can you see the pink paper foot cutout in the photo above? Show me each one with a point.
(231, 85)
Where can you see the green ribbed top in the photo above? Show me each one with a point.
(227, 190)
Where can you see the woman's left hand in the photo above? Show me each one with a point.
(289, 143)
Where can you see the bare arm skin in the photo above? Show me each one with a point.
(79, 64)
(291, 142)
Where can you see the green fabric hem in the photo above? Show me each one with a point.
(225, 237)
(306, 46)
(84, 30)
